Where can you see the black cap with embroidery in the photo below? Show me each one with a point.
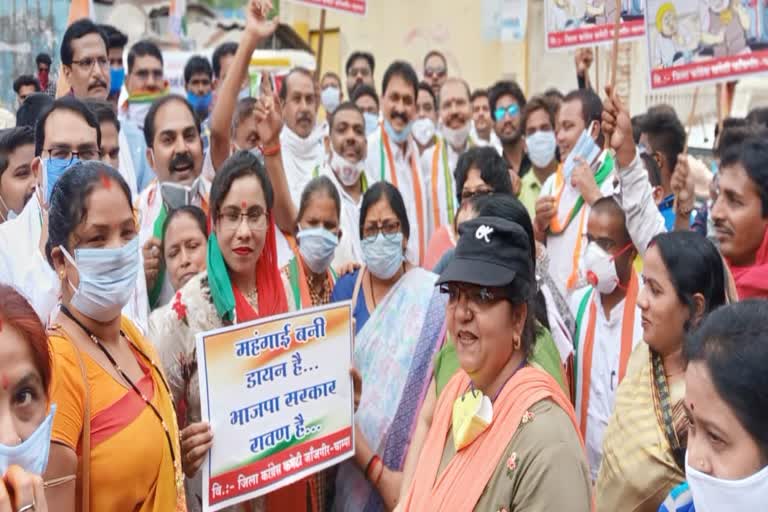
(491, 251)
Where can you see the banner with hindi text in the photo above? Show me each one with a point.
(691, 42)
(570, 24)
(278, 395)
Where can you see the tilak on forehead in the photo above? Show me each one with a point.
(243, 204)
(105, 181)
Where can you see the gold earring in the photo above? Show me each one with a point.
(517, 343)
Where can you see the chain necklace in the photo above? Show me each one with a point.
(323, 295)
(133, 386)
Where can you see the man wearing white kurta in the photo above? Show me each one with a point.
(438, 163)
(346, 148)
(608, 322)
(69, 126)
(175, 151)
(393, 156)
(563, 207)
(301, 139)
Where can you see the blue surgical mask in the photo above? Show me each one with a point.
(585, 147)
(383, 255)
(53, 169)
(330, 97)
(371, 122)
(395, 136)
(32, 454)
(317, 247)
(200, 103)
(116, 79)
(107, 279)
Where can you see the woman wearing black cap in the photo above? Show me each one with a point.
(504, 435)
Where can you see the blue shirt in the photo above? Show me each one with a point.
(138, 148)
(343, 290)
(667, 209)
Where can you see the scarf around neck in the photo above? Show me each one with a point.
(752, 280)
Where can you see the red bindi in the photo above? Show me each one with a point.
(243, 205)
(5, 382)
(105, 181)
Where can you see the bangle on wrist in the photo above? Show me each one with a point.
(370, 465)
(271, 150)
(378, 477)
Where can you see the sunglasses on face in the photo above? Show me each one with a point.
(434, 72)
(511, 111)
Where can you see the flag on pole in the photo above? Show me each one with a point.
(177, 18)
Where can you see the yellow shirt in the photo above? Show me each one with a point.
(530, 188)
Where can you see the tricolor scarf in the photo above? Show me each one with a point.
(230, 303)
(752, 280)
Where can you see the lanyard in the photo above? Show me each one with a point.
(416, 183)
(436, 186)
(627, 333)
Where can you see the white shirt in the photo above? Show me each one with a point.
(24, 267)
(149, 205)
(443, 186)
(406, 168)
(635, 195)
(349, 249)
(561, 247)
(604, 379)
(300, 159)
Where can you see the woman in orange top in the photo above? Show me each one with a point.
(115, 426)
(504, 435)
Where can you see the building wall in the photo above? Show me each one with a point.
(408, 29)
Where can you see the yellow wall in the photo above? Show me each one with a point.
(408, 29)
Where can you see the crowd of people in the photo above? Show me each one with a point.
(555, 306)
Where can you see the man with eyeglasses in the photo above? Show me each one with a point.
(438, 163)
(84, 60)
(435, 70)
(359, 68)
(507, 101)
(65, 133)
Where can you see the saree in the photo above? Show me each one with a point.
(123, 428)
(394, 355)
(460, 485)
(639, 466)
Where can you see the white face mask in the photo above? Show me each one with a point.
(107, 279)
(32, 454)
(456, 138)
(10, 215)
(348, 172)
(541, 147)
(600, 268)
(585, 147)
(176, 195)
(423, 130)
(298, 146)
(330, 97)
(712, 494)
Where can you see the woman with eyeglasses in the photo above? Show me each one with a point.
(399, 318)
(115, 425)
(479, 171)
(645, 440)
(242, 283)
(504, 434)
(25, 405)
(726, 401)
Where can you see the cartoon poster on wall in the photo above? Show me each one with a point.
(573, 24)
(697, 41)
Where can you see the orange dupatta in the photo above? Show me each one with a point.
(627, 332)
(462, 483)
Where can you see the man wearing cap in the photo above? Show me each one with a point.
(490, 286)
(608, 322)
